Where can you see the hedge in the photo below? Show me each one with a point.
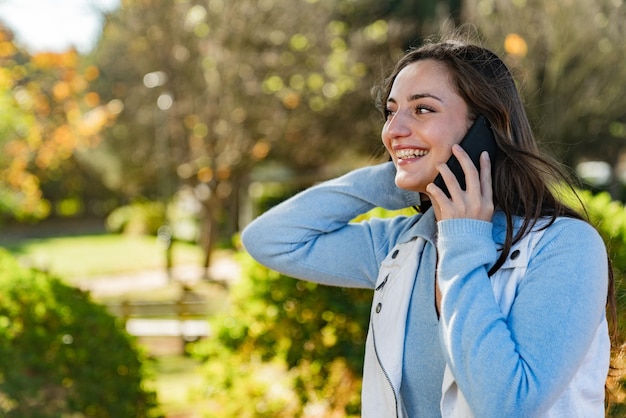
(63, 355)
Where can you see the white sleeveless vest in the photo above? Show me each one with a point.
(382, 374)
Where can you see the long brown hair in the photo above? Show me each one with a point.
(524, 177)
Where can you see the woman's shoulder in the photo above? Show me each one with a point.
(564, 230)
(575, 234)
(571, 240)
(571, 253)
(568, 227)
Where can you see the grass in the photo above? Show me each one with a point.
(178, 384)
(84, 256)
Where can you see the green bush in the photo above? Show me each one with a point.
(141, 217)
(286, 346)
(62, 355)
(609, 217)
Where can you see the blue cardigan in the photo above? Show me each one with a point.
(514, 366)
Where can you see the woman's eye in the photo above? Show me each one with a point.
(423, 109)
(389, 113)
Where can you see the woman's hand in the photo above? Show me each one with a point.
(476, 202)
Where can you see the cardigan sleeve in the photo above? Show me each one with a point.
(310, 236)
(517, 366)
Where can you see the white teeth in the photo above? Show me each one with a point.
(410, 153)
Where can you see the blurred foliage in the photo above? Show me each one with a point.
(48, 112)
(216, 87)
(609, 217)
(141, 217)
(62, 354)
(240, 82)
(287, 347)
(572, 80)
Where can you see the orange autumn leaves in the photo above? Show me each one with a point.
(48, 111)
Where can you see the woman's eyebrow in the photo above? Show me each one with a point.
(422, 96)
(416, 96)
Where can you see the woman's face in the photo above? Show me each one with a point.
(425, 117)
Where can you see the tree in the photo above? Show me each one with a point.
(243, 82)
(573, 79)
(48, 113)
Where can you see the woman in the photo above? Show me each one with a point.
(490, 303)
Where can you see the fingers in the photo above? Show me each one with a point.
(486, 186)
(472, 180)
(476, 201)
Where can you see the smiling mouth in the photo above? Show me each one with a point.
(405, 154)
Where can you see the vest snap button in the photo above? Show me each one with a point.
(379, 307)
(395, 254)
(515, 254)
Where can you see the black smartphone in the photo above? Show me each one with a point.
(479, 138)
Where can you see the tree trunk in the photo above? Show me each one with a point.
(209, 226)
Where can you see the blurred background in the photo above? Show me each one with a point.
(139, 137)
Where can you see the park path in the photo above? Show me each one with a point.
(161, 336)
(223, 269)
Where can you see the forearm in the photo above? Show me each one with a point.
(310, 236)
(519, 364)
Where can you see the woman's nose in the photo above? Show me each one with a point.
(397, 126)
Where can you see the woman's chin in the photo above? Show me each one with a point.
(410, 184)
